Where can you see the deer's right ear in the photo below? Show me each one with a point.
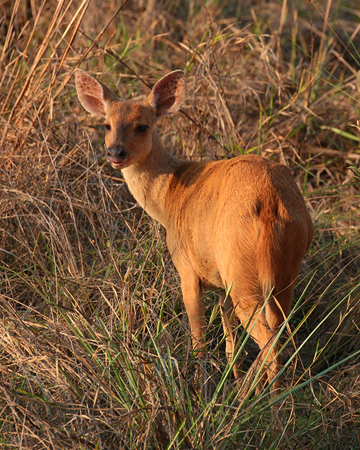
(93, 95)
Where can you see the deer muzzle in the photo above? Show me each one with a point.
(116, 156)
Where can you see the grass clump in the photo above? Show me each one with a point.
(94, 341)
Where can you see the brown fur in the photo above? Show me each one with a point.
(241, 223)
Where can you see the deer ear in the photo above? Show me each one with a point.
(169, 93)
(93, 95)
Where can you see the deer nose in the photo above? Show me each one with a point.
(116, 154)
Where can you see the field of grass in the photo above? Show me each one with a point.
(94, 339)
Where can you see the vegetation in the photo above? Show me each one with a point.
(94, 340)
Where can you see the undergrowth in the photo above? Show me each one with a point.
(94, 340)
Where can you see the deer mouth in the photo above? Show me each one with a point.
(118, 159)
(118, 164)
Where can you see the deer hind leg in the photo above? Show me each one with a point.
(231, 340)
(254, 319)
(269, 358)
(265, 331)
(277, 310)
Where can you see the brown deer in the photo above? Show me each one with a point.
(237, 225)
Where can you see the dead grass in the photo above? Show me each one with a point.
(94, 346)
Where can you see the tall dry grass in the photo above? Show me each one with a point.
(95, 346)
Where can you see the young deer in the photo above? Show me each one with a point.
(239, 223)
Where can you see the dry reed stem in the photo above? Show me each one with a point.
(86, 286)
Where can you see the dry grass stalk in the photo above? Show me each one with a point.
(93, 338)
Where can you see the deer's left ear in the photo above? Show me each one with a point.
(169, 93)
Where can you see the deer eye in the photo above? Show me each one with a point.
(141, 128)
(107, 127)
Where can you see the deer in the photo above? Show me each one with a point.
(238, 226)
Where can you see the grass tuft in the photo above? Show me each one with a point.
(94, 340)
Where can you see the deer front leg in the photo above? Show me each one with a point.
(195, 308)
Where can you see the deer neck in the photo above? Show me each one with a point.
(149, 179)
